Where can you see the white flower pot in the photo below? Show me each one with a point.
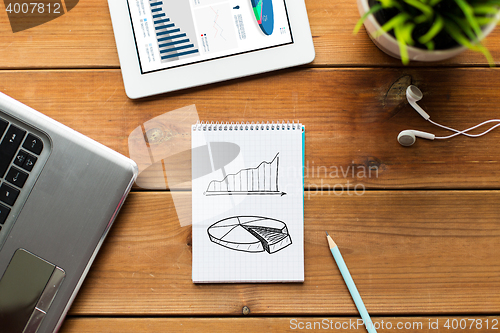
(387, 43)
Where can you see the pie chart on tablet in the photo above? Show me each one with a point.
(263, 11)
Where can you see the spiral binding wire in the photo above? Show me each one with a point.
(258, 126)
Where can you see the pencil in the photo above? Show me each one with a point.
(350, 285)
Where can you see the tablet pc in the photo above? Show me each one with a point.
(167, 45)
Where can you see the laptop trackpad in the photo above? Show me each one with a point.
(26, 291)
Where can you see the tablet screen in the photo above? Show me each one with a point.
(172, 33)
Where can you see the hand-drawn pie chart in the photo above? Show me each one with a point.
(250, 234)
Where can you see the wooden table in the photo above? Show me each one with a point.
(422, 240)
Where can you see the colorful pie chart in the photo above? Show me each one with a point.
(263, 11)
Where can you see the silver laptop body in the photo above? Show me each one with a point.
(59, 195)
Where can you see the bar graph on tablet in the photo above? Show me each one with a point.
(175, 42)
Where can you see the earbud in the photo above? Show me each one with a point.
(408, 137)
(413, 95)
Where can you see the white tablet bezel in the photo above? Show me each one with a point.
(138, 85)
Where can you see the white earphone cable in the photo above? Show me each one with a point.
(464, 132)
(407, 137)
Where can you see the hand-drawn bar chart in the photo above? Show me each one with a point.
(169, 19)
(261, 180)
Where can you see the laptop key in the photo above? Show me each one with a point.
(8, 147)
(25, 160)
(20, 158)
(3, 126)
(29, 162)
(8, 194)
(4, 212)
(33, 144)
(16, 177)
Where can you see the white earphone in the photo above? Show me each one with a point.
(408, 137)
(413, 95)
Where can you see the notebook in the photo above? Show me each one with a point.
(248, 202)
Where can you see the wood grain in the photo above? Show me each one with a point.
(409, 252)
(352, 118)
(475, 324)
(83, 38)
(419, 233)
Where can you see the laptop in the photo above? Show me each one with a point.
(59, 195)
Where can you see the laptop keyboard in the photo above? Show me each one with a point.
(19, 152)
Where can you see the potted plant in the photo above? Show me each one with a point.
(429, 30)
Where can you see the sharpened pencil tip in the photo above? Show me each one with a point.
(331, 243)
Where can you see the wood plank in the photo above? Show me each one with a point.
(83, 38)
(472, 324)
(352, 119)
(409, 252)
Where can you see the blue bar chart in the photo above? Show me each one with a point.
(174, 42)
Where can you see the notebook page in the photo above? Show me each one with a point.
(247, 196)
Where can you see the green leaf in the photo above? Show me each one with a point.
(403, 50)
(461, 24)
(432, 3)
(469, 15)
(392, 23)
(388, 3)
(486, 54)
(457, 35)
(485, 9)
(393, 4)
(406, 32)
(425, 9)
(482, 21)
(372, 10)
(436, 27)
(430, 45)
(421, 19)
